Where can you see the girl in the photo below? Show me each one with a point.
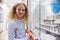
(18, 17)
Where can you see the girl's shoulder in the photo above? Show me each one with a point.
(12, 22)
(16, 21)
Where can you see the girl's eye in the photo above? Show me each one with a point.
(19, 9)
(23, 10)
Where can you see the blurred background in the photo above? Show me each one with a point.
(44, 18)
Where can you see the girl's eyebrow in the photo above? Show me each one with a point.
(20, 8)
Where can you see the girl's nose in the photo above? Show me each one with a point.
(21, 11)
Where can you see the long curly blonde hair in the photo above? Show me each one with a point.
(12, 14)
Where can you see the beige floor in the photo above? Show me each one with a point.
(4, 35)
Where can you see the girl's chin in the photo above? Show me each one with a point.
(20, 16)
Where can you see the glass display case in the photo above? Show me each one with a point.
(49, 19)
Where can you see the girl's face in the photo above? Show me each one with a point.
(20, 10)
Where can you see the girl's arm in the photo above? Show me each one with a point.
(11, 31)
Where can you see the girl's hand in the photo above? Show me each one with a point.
(30, 34)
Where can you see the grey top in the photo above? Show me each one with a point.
(16, 29)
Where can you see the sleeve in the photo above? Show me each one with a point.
(11, 31)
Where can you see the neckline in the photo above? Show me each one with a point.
(18, 20)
